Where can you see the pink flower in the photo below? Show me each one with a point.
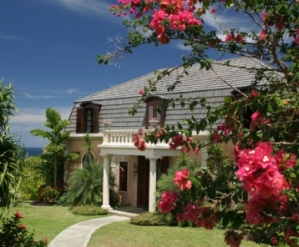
(256, 116)
(22, 226)
(176, 141)
(254, 94)
(141, 91)
(263, 34)
(216, 137)
(212, 11)
(259, 171)
(18, 215)
(181, 179)
(230, 37)
(274, 241)
(239, 38)
(233, 239)
(167, 202)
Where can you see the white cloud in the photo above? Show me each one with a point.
(72, 90)
(33, 118)
(11, 37)
(36, 115)
(30, 96)
(100, 8)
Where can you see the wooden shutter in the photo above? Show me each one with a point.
(96, 111)
(80, 120)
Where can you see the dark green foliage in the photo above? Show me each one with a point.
(88, 210)
(86, 186)
(10, 150)
(32, 178)
(166, 180)
(151, 219)
(13, 233)
(63, 200)
(54, 151)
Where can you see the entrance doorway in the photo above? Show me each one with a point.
(143, 182)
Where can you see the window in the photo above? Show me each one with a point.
(123, 176)
(244, 116)
(155, 109)
(87, 120)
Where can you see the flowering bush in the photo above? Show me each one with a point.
(47, 194)
(257, 197)
(13, 233)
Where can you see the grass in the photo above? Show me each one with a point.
(123, 234)
(47, 221)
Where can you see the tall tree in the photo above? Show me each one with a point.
(10, 149)
(54, 152)
(262, 121)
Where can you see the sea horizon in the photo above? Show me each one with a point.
(33, 151)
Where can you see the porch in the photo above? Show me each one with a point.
(119, 143)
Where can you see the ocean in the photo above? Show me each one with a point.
(33, 151)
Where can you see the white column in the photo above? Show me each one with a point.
(152, 185)
(106, 204)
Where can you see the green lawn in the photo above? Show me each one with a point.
(124, 234)
(47, 221)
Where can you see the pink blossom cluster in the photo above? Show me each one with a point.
(132, 5)
(174, 14)
(222, 129)
(261, 173)
(232, 38)
(176, 141)
(181, 179)
(167, 202)
(185, 142)
(200, 216)
(279, 25)
(139, 140)
(233, 239)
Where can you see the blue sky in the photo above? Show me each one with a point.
(48, 50)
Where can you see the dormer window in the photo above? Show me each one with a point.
(244, 116)
(155, 110)
(87, 120)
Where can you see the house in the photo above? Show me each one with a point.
(137, 171)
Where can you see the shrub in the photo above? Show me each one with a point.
(64, 200)
(47, 194)
(152, 219)
(88, 210)
(13, 233)
(32, 178)
(86, 185)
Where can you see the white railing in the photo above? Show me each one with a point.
(121, 137)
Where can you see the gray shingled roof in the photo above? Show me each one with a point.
(117, 100)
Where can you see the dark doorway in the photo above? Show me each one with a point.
(142, 182)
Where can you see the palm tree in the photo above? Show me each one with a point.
(54, 151)
(86, 184)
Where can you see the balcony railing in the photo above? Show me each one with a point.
(121, 137)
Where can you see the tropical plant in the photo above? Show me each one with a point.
(262, 120)
(85, 186)
(13, 233)
(10, 149)
(32, 177)
(54, 151)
